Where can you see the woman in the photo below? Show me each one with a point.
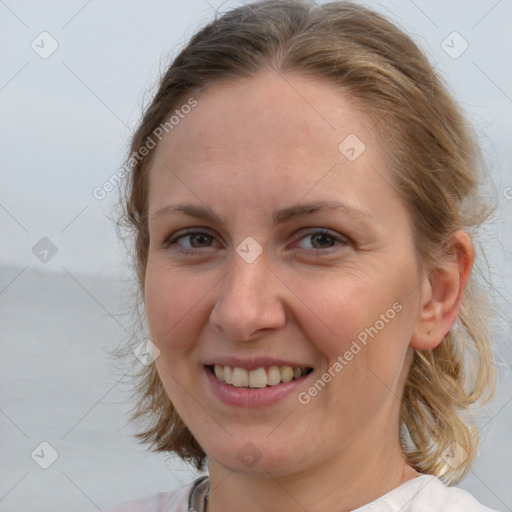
(302, 191)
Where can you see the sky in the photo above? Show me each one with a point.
(74, 76)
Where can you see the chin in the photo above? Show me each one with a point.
(256, 458)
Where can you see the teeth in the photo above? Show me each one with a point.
(258, 378)
(240, 378)
(286, 373)
(273, 376)
(218, 372)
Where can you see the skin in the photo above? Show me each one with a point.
(249, 148)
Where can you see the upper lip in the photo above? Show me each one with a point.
(254, 362)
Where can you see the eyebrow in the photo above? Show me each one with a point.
(280, 216)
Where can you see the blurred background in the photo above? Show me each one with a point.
(73, 77)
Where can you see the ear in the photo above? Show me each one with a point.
(442, 293)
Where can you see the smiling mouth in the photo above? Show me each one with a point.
(259, 377)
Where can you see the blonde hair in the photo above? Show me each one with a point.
(435, 161)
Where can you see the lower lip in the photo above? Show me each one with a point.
(254, 397)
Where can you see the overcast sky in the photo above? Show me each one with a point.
(65, 117)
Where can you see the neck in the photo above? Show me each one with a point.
(342, 483)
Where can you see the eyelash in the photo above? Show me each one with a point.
(342, 241)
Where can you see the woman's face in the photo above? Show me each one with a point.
(279, 247)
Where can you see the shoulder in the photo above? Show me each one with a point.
(428, 494)
(175, 501)
(425, 493)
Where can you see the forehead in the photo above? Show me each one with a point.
(271, 137)
(271, 116)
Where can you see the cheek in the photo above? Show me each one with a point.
(342, 306)
(170, 298)
(362, 318)
(173, 310)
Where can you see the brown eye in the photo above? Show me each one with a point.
(199, 239)
(190, 240)
(322, 240)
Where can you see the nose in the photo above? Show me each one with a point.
(248, 301)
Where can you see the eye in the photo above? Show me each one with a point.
(322, 240)
(190, 240)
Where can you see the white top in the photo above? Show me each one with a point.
(425, 493)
